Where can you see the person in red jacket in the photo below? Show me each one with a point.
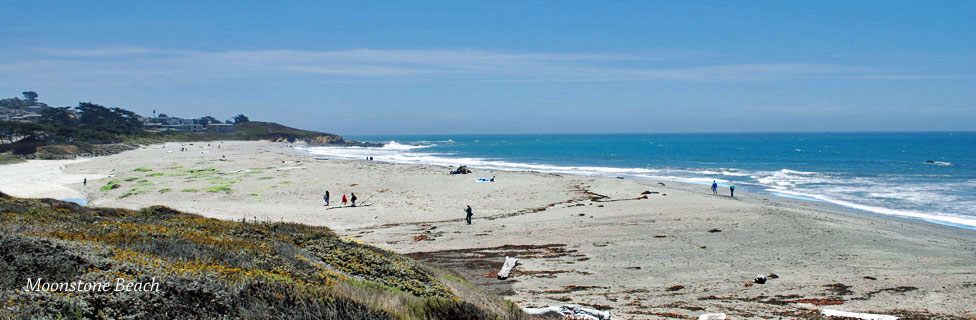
(344, 200)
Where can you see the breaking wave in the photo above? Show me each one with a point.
(930, 201)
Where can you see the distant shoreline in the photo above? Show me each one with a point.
(440, 150)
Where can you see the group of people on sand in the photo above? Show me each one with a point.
(731, 189)
(352, 198)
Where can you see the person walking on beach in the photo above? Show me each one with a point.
(714, 187)
(326, 198)
(352, 198)
(732, 190)
(469, 214)
(84, 183)
(344, 201)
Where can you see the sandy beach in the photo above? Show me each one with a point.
(638, 248)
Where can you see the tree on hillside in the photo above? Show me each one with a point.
(30, 96)
(114, 120)
(127, 121)
(57, 117)
(14, 103)
(16, 129)
(241, 118)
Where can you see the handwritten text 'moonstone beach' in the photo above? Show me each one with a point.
(80, 286)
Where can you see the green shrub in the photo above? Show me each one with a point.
(111, 184)
(8, 159)
(209, 268)
(133, 191)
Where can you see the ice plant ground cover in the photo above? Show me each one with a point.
(208, 268)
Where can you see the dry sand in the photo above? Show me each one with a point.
(679, 252)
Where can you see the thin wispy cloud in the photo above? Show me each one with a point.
(448, 64)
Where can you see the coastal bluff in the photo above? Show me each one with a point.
(62, 260)
(270, 131)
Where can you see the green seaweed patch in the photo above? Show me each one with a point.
(165, 190)
(133, 191)
(142, 169)
(131, 179)
(265, 178)
(254, 194)
(225, 188)
(112, 184)
(143, 182)
(190, 190)
(156, 174)
(199, 173)
(224, 181)
(285, 182)
(175, 168)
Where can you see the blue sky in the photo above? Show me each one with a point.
(404, 67)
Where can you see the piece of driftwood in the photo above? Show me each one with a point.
(865, 316)
(507, 268)
(570, 311)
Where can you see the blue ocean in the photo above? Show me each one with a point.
(929, 176)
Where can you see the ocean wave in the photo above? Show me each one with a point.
(396, 146)
(945, 219)
(805, 173)
(395, 152)
(936, 201)
(692, 180)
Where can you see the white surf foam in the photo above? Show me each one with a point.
(948, 219)
(876, 195)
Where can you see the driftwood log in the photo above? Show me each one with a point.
(507, 268)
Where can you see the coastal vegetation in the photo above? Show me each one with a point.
(208, 268)
(93, 129)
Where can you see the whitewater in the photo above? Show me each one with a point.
(923, 176)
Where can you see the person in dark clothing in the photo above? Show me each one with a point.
(732, 190)
(714, 187)
(84, 183)
(469, 214)
(326, 198)
(352, 199)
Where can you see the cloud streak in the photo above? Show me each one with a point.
(433, 64)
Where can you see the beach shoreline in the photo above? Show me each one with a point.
(624, 245)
